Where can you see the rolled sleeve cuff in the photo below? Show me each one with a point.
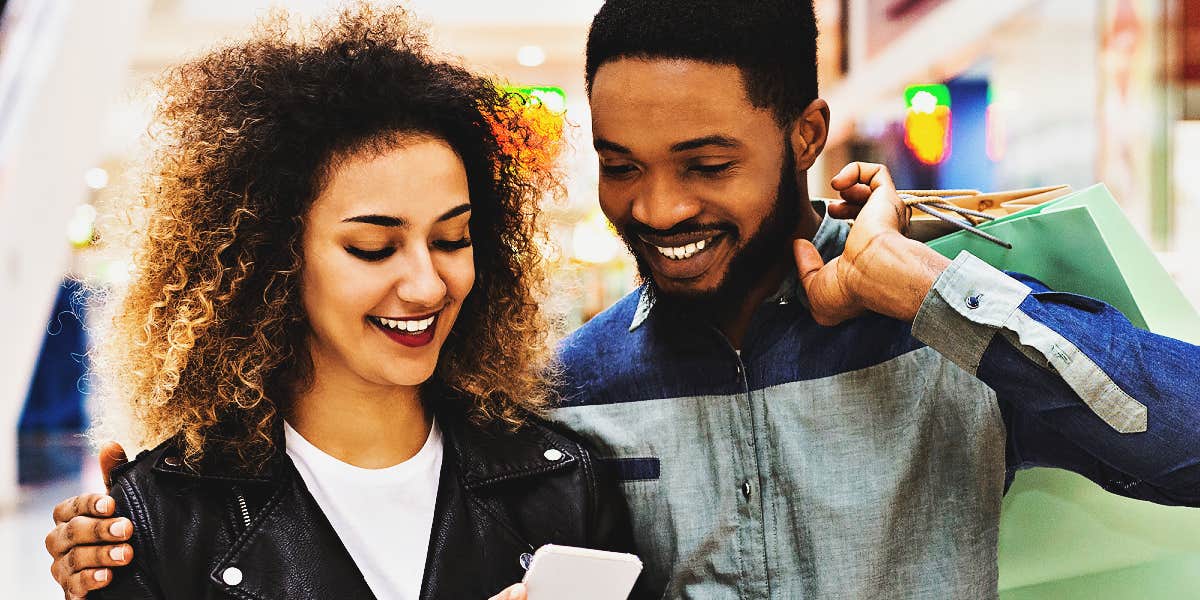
(970, 301)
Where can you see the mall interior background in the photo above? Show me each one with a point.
(1040, 92)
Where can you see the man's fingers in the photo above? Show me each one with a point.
(512, 592)
(82, 558)
(873, 175)
(112, 455)
(828, 300)
(79, 584)
(844, 210)
(87, 531)
(858, 193)
(90, 505)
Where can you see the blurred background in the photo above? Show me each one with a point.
(1026, 93)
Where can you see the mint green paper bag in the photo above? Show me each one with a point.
(1082, 243)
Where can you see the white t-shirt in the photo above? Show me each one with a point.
(383, 516)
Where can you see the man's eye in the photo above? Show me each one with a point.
(451, 245)
(712, 169)
(370, 255)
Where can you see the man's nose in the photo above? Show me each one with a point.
(662, 203)
(419, 284)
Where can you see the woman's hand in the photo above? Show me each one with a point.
(512, 592)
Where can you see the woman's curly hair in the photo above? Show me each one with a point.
(209, 339)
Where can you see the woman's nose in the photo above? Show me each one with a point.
(420, 284)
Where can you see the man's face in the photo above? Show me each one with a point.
(697, 180)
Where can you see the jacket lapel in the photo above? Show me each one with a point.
(290, 550)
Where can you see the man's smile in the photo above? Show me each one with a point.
(684, 256)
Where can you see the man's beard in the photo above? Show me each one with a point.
(762, 251)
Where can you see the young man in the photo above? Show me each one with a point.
(798, 408)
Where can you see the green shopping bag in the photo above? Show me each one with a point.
(1082, 243)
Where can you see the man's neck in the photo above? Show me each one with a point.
(735, 323)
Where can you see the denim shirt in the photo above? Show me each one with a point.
(868, 460)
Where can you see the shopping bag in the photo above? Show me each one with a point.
(1082, 243)
(925, 226)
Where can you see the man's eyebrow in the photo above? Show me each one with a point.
(722, 141)
(603, 144)
(454, 212)
(380, 220)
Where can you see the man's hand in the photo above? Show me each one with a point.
(85, 539)
(880, 270)
(512, 592)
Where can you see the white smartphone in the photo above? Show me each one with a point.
(566, 572)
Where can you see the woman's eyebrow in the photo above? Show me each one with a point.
(381, 220)
(390, 221)
(454, 212)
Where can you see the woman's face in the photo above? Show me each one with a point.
(387, 263)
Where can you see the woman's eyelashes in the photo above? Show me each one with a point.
(385, 252)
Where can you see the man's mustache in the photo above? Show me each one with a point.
(637, 228)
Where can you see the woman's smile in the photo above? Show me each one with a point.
(413, 332)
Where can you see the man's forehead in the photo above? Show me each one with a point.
(671, 101)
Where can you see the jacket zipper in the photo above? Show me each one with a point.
(241, 500)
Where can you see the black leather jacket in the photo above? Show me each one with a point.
(208, 533)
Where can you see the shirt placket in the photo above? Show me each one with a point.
(748, 478)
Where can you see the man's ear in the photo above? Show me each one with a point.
(809, 133)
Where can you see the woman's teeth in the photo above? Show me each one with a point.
(406, 326)
(683, 252)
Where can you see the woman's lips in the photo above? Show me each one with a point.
(411, 339)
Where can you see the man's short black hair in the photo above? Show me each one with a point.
(774, 42)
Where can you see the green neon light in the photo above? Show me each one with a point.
(551, 97)
(939, 91)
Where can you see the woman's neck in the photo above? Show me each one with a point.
(372, 427)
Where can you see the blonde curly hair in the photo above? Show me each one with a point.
(208, 342)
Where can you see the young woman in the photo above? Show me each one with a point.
(332, 334)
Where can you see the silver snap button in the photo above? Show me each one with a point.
(746, 490)
(231, 576)
(553, 455)
(525, 560)
(171, 461)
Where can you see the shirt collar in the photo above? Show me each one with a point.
(829, 239)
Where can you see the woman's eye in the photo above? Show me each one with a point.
(451, 245)
(370, 255)
(617, 170)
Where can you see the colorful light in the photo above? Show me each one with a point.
(927, 122)
(532, 127)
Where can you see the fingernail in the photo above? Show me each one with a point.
(103, 505)
(101, 575)
(117, 553)
(117, 529)
(514, 593)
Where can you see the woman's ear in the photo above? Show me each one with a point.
(809, 133)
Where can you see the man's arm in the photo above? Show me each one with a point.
(1081, 388)
(87, 541)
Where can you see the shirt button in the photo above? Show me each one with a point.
(553, 455)
(231, 576)
(746, 490)
(973, 301)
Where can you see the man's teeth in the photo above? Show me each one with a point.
(406, 326)
(683, 252)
